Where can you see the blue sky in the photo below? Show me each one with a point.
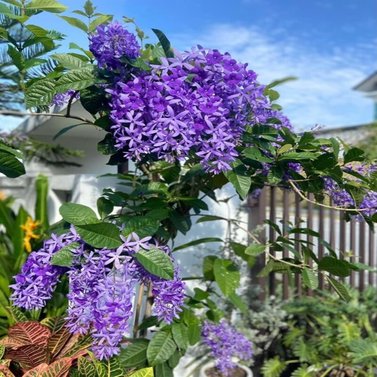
(330, 45)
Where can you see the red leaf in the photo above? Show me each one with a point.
(28, 333)
(59, 368)
(29, 356)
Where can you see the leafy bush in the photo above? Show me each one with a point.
(327, 336)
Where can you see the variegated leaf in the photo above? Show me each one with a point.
(31, 332)
(29, 356)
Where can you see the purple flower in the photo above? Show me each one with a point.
(112, 42)
(339, 196)
(225, 342)
(101, 287)
(369, 204)
(36, 282)
(169, 296)
(198, 103)
(62, 99)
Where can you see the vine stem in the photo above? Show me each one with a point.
(138, 309)
(25, 113)
(302, 196)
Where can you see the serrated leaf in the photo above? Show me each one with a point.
(226, 275)
(309, 278)
(156, 262)
(76, 23)
(239, 178)
(47, 5)
(68, 61)
(160, 348)
(40, 93)
(78, 214)
(135, 354)
(76, 79)
(255, 249)
(339, 288)
(64, 257)
(334, 266)
(100, 235)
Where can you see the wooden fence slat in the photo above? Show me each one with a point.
(298, 282)
(353, 250)
(285, 252)
(272, 235)
(321, 231)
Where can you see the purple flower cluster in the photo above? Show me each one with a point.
(340, 197)
(62, 99)
(225, 343)
(369, 204)
(196, 104)
(112, 42)
(101, 288)
(36, 282)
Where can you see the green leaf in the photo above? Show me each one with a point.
(40, 93)
(135, 354)
(334, 266)
(239, 178)
(86, 368)
(141, 225)
(10, 165)
(76, 23)
(165, 43)
(226, 275)
(100, 235)
(64, 257)
(104, 206)
(102, 19)
(113, 368)
(354, 154)
(47, 5)
(255, 249)
(180, 335)
(210, 218)
(198, 242)
(208, 263)
(68, 61)
(17, 57)
(41, 210)
(238, 302)
(339, 288)
(65, 130)
(76, 79)
(17, 314)
(160, 348)
(78, 214)
(163, 370)
(146, 372)
(310, 278)
(194, 327)
(156, 262)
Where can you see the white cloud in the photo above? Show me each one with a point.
(323, 92)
